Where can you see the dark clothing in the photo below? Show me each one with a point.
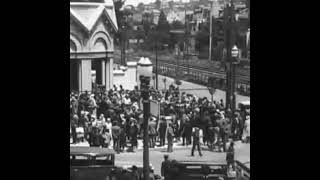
(162, 132)
(165, 168)
(230, 157)
(188, 132)
(116, 138)
(74, 134)
(196, 143)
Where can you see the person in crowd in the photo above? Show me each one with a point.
(135, 173)
(246, 134)
(162, 131)
(120, 106)
(165, 165)
(122, 137)
(196, 141)
(230, 156)
(73, 129)
(92, 105)
(152, 132)
(106, 138)
(170, 136)
(116, 131)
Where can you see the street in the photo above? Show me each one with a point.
(242, 153)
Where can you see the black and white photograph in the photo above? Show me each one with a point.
(159, 90)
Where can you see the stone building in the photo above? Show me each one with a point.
(92, 28)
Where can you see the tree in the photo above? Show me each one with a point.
(120, 17)
(202, 37)
(163, 29)
(119, 14)
(163, 24)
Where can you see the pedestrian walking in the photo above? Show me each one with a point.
(162, 131)
(196, 141)
(116, 137)
(170, 136)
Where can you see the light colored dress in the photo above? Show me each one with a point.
(246, 132)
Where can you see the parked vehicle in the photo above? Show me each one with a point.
(191, 170)
(91, 163)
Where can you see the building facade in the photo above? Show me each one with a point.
(92, 28)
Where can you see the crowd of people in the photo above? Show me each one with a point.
(114, 119)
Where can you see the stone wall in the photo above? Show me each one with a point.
(126, 76)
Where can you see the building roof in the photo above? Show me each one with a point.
(87, 14)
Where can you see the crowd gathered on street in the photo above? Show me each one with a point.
(114, 119)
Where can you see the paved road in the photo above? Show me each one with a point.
(242, 153)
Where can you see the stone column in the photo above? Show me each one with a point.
(79, 75)
(99, 72)
(103, 72)
(86, 83)
(109, 73)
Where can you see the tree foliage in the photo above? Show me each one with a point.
(120, 18)
(163, 24)
(163, 29)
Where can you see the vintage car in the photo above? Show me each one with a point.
(91, 163)
(199, 170)
(94, 163)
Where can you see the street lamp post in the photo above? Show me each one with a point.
(231, 56)
(210, 38)
(145, 84)
(228, 22)
(145, 74)
(235, 55)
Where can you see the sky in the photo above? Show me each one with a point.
(136, 2)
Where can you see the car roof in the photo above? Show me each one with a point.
(201, 163)
(91, 151)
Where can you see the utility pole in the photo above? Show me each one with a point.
(210, 38)
(156, 60)
(145, 85)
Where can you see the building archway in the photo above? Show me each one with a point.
(98, 65)
(75, 46)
